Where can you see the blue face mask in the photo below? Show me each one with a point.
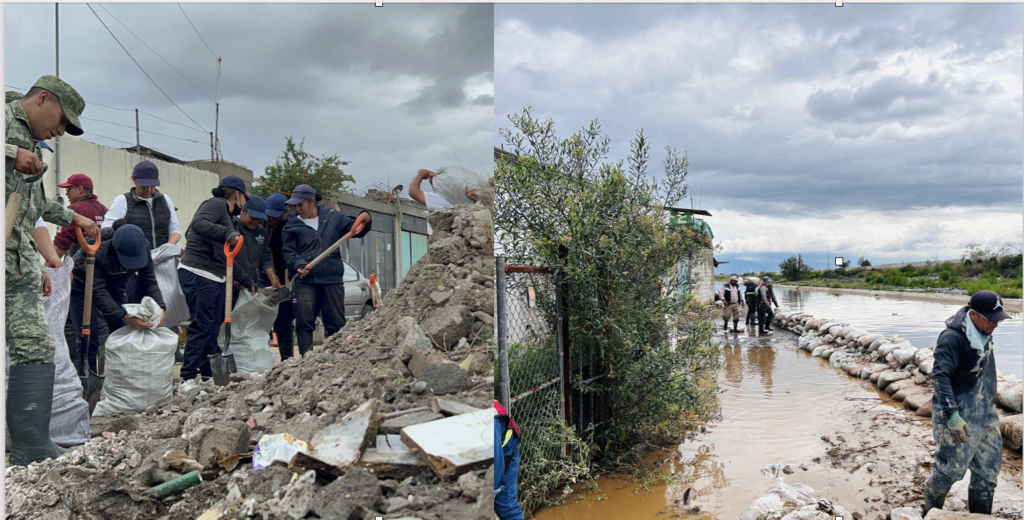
(977, 339)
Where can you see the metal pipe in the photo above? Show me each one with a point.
(502, 318)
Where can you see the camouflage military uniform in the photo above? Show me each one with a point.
(27, 334)
(12, 95)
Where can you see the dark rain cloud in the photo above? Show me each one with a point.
(392, 89)
(789, 111)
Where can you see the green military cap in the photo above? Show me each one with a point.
(70, 101)
(13, 95)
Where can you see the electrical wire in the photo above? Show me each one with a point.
(154, 52)
(146, 131)
(196, 30)
(174, 123)
(140, 66)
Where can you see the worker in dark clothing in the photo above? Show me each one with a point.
(254, 258)
(320, 291)
(964, 420)
(203, 271)
(750, 294)
(82, 201)
(284, 325)
(506, 465)
(123, 252)
(765, 299)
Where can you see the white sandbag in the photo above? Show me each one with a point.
(873, 347)
(1009, 395)
(886, 349)
(69, 413)
(844, 332)
(252, 318)
(139, 363)
(868, 339)
(904, 355)
(921, 355)
(819, 350)
(451, 182)
(827, 353)
(815, 512)
(834, 330)
(926, 366)
(856, 335)
(780, 498)
(165, 267)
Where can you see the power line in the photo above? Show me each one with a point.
(196, 30)
(174, 123)
(140, 66)
(146, 131)
(154, 52)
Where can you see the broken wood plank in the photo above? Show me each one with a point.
(338, 447)
(400, 413)
(394, 426)
(455, 408)
(453, 446)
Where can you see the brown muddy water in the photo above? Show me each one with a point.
(777, 404)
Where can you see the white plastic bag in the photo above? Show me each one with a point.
(139, 363)
(451, 182)
(69, 415)
(252, 318)
(165, 265)
(282, 446)
(781, 498)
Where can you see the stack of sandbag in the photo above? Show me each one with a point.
(796, 502)
(165, 266)
(139, 363)
(69, 415)
(252, 318)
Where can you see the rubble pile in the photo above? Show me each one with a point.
(395, 412)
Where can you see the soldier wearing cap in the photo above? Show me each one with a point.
(49, 109)
(319, 291)
(965, 424)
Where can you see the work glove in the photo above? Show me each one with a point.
(958, 428)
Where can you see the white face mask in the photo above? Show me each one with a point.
(976, 338)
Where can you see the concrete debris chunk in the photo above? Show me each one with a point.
(453, 446)
(455, 408)
(395, 425)
(338, 447)
(391, 459)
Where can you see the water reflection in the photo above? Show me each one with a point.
(733, 369)
(761, 360)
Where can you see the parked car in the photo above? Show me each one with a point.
(358, 302)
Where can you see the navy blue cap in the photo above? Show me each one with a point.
(234, 183)
(276, 205)
(146, 174)
(989, 305)
(131, 246)
(256, 207)
(302, 192)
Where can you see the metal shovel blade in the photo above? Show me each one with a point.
(221, 376)
(94, 390)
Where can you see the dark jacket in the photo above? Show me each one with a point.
(964, 380)
(276, 240)
(302, 244)
(88, 206)
(155, 221)
(766, 296)
(254, 258)
(108, 276)
(211, 226)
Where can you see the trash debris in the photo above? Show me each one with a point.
(173, 487)
(338, 447)
(454, 445)
(281, 447)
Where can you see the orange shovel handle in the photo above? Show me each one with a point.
(231, 254)
(89, 249)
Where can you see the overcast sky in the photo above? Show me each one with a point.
(887, 131)
(391, 89)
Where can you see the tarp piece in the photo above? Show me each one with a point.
(139, 364)
(69, 417)
(165, 263)
(252, 318)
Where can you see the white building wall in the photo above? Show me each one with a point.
(111, 171)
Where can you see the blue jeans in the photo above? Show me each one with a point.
(506, 472)
(206, 312)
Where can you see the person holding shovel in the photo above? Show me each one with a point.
(284, 324)
(122, 253)
(254, 258)
(319, 291)
(49, 109)
(964, 419)
(203, 270)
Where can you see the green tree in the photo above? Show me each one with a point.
(604, 227)
(864, 262)
(297, 166)
(794, 268)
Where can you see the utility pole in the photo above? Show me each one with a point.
(138, 147)
(211, 149)
(56, 141)
(216, 117)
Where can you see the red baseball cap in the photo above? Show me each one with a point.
(78, 179)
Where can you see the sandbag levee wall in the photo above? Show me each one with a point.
(885, 361)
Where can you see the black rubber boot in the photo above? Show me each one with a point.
(735, 325)
(932, 501)
(285, 345)
(760, 328)
(28, 413)
(979, 501)
(305, 340)
(725, 323)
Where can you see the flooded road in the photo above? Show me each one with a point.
(777, 404)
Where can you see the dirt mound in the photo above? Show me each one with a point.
(425, 355)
